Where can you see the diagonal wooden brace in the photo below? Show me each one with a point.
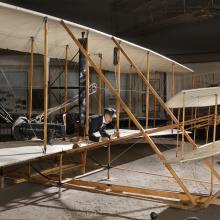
(132, 117)
(169, 112)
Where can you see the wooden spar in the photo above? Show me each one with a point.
(61, 168)
(208, 201)
(177, 137)
(60, 174)
(159, 99)
(83, 161)
(147, 88)
(30, 79)
(183, 121)
(125, 107)
(109, 162)
(45, 80)
(118, 88)
(129, 96)
(155, 100)
(193, 86)
(215, 118)
(119, 190)
(173, 79)
(214, 139)
(194, 135)
(100, 88)
(207, 130)
(87, 87)
(173, 86)
(66, 79)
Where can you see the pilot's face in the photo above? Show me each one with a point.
(108, 118)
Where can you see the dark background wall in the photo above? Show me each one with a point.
(187, 30)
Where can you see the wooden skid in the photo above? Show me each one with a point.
(174, 199)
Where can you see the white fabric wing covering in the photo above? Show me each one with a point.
(205, 151)
(195, 98)
(18, 25)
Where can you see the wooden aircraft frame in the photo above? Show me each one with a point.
(184, 199)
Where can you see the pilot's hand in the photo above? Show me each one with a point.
(115, 135)
(103, 139)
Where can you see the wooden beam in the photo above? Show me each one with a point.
(125, 107)
(129, 96)
(214, 139)
(155, 100)
(147, 89)
(45, 80)
(30, 79)
(183, 121)
(141, 193)
(83, 161)
(109, 162)
(173, 80)
(118, 82)
(61, 168)
(100, 92)
(177, 137)
(87, 87)
(66, 79)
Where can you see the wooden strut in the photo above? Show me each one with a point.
(124, 106)
(100, 88)
(168, 111)
(60, 174)
(30, 79)
(214, 139)
(177, 136)
(195, 115)
(45, 80)
(66, 80)
(207, 130)
(129, 97)
(183, 120)
(167, 197)
(83, 161)
(173, 199)
(173, 86)
(155, 100)
(173, 79)
(147, 89)
(209, 200)
(118, 87)
(109, 162)
(87, 87)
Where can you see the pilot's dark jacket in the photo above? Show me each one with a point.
(96, 124)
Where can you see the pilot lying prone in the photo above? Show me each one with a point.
(99, 123)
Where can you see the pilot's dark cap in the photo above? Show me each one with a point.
(110, 111)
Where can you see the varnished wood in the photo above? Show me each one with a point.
(125, 107)
(147, 89)
(66, 79)
(118, 89)
(100, 92)
(45, 80)
(30, 79)
(87, 87)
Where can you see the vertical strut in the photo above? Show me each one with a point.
(45, 81)
(30, 79)
(147, 88)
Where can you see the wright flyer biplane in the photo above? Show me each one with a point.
(37, 136)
